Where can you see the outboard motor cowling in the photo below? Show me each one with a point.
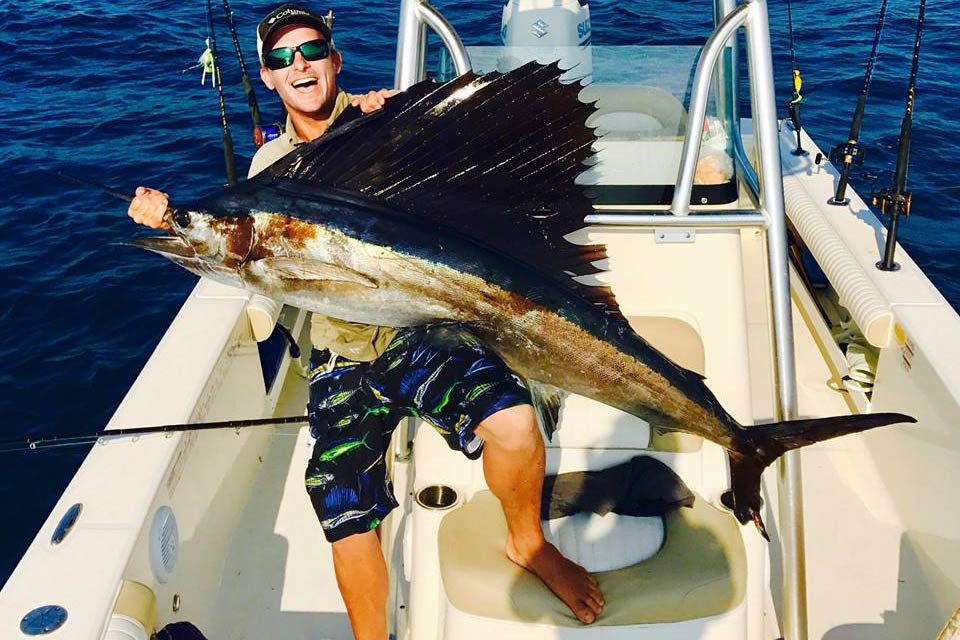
(546, 31)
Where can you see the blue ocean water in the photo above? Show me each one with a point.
(96, 89)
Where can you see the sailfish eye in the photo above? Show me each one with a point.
(181, 217)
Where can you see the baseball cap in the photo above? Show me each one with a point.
(285, 15)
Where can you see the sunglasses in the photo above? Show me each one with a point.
(283, 56)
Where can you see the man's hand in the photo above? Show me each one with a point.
(372, 101)
(148, 208)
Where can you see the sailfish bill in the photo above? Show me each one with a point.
(450, 205)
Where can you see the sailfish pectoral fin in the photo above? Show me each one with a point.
(295, 269)
(341, 293)
(547, 402)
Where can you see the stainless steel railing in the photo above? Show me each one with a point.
(697, 111)
(766, 140)
(415, 17)
(731, 219)
(766, 187)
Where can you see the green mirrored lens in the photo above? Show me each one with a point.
(315, 49)
(283, 56)
(279, 58)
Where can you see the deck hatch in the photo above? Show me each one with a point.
(43, 620)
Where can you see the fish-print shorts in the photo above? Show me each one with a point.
(441, 374)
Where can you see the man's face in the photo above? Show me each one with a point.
(306, 88)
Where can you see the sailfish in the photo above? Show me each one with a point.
(451, 205)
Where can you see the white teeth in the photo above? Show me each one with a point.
(304, 82)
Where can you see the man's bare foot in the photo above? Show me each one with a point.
(569, 581)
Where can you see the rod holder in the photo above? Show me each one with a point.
(893, 203)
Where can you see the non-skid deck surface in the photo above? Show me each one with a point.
(278, 581)
(856, 551)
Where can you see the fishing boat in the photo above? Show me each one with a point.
(765, 282)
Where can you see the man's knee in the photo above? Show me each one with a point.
(357, 547)
(514, 428)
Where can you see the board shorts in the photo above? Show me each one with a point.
(440, 373)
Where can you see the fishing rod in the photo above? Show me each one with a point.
(794, 105)
(113, 192)
(96, 185)
(849, 153)
(896, 200)
(252, 103)
(71, 439)
(228, 156)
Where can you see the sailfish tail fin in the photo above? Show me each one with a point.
(763, 444)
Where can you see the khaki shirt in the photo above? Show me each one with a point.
(361, 342)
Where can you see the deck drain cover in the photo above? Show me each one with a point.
(42, 620)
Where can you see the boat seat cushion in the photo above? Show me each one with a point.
(634, 112)
(699, 571)
(681, 343)
(604, 543)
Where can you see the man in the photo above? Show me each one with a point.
(364, 379)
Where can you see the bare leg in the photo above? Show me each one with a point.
(513, 463)
(362, 578)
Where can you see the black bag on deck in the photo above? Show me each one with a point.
(180, 631)
(642, 486)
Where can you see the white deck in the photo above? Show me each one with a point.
(278, 579)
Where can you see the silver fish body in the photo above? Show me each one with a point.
(362, 263)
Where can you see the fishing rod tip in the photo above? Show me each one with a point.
(96, 185)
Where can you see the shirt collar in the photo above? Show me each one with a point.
(341, 103)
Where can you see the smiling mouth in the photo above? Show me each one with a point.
(304, 83)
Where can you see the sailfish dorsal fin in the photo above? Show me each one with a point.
(492, 157)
